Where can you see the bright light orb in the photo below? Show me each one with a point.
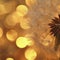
(11, 35)
(22, 9)
(31, 40)
(30, 54)
(22, 42)
(9, 59)
(30, 2)
(24, 23)
(11, 20)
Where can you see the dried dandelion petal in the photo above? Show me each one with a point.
(1, 32)
(48, 40)
(9, 59)
(11, 35)
(22, 9)
(30, 54)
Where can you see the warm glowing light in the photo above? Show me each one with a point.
(16, 17)
(22, 9)
(12, 20)
(30, 54)
(11, 35)
(30, 2)
(22, 42)
(24, 23)
(9, 22)
(1, 32)
(9, 59)
(31, 40)
(2, 9)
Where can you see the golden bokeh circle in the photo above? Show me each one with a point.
(22, 9)
(9, 59)
(30, 54)
(23, 42)
(11, 35)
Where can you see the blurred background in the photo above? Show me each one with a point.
(24, 30)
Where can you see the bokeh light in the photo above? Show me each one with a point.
(25, 32)
(30, 3)
(22, 9)
(22, 42)
(30, 54)
(2, 9)
(11, 35)
(11, 20)
(31, 40)
(24, 23)
(9, 59)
